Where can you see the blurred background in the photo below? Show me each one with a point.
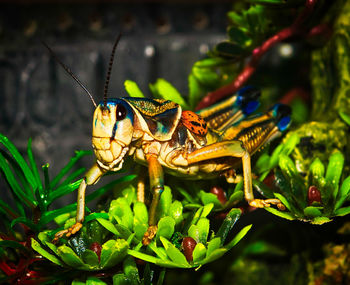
(40, 101)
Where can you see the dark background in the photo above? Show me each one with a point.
(40, 101)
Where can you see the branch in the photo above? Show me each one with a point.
(249, 69)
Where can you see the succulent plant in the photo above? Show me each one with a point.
(315, 196)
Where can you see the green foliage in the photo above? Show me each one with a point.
(112, 253)
(294, 189)
(29, 192)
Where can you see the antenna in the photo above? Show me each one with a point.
(67, 69)
(105, 95)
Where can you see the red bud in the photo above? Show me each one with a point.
(188, 245)
(96, 247)
(313, 195)
(220, 193)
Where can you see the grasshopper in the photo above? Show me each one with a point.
(160, 135)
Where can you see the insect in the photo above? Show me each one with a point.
(160, 135)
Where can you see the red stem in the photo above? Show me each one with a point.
(249, 69)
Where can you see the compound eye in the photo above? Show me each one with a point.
(121, 112)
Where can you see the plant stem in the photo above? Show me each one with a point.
(295, 29)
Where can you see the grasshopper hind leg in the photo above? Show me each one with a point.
(234, 149)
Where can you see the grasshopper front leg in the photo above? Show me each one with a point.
(91, 177)
(233, 149)
(156, 178)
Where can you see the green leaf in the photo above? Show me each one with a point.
(95, 216)
(175, 211)
(216, 254)
(342, 211)
(20, 160)
(72, 177)
(231, 218)
(206, 210)
(92, 280)
(275, 156)
(113, 252)
(292, 141)
(206, 76)
(159, 251)
(284, 201)
(49, 216)
(70, 258)
(195, 91)
(166, 228)
(262, 164)
(161, 277)
(238, 237)
(155, 260)
(199, 252)
(235, 197)
(239, 36)
(133, 90)
(185, 194)
(34, 167)
(163, 89)
(140, 219)
(203, 226)
(120, 279)
(285, 215)
(68, 167)
(90, 257)
(214, 244)
(131, 271)
(63, 190)
(317, 169)
(37, 247)
(345, 117)
(121, 212)
(229, 49)
(46, 240)
(207, 198)
(164, 202)
(174, 254)
(320, 220)
(296, 182)
(129, 193)
(334, 171)
(210, 62)
(194, 232)
(262, 188)
(16, 188)
(343, 193)
(123, 231)
(287, 165)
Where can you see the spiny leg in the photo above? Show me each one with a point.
(156, 178)
(91, 177)
(233, 149)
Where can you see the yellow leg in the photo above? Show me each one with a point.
(141, 185)
(91, 177)
(233, 149)
(156, 178)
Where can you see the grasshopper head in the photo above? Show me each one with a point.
(112, 133)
